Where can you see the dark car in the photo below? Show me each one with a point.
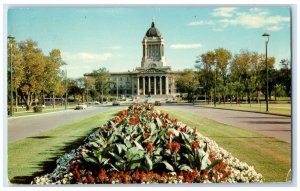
(116, 103)
(157, 103)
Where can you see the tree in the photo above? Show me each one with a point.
(18, 68)
(34, 63)
(241, 69)
(230, 91)
(89, 85)
(205, 75)
(74, 88)
(34, 73)
(279, 91)
(285, 76)
(223, 58)
(102, 81)
(53, 75)
(187, 82)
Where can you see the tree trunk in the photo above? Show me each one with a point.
(53, 101)
(102, 95)
(27, 97)
(44, 96)
(16, 92)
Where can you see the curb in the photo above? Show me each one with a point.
(37, 114)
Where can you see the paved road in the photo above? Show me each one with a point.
(22, 127)
(270, 125)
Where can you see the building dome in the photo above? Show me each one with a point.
(153, 32)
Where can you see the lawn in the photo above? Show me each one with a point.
(36, 155)
(269, 156)
(284, 109)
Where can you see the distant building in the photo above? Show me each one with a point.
(153, 77)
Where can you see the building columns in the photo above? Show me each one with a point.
(167, 85)
(154, 85)
(132, 87)
(138, 86)
(149, 85)
(144, 85)
(160, 85)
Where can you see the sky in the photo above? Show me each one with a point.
(111, 37)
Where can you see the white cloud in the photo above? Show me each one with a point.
(249, 20)
(85, 62)
(274, 28)
(185, 46)
(116, 47)
(224, 12)
(86, 57)
(200, 23)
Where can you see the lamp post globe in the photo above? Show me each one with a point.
(267, 36)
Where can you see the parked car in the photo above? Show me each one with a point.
(171, 101)
(80, 106)
(115, 103)
(95, 102)
(157, 103)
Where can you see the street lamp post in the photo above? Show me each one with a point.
(215, 84)
(266, 36)
(66, 102)
(117, 89)
(11, 75)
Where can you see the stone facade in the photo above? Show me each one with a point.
(153, 77)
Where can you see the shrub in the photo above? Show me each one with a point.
(38, 109)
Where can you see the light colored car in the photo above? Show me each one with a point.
(80, 106)
(172, 101)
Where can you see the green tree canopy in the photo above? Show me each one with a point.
(187, 82)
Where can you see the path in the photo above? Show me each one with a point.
(270, 125)
(22, 127)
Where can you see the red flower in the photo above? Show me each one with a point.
(167, 116)
(170, 134)
(173, 146)
(154, 115)
(146, 135)
(149, 147)
(134, 120)
(135, 112)
(195, 144)
(123, 114)
(90, 178)
(117, 119)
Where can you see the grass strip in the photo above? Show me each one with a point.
(269, 156)
(284, 109)
(36, 155)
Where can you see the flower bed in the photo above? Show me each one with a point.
(142, 145)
